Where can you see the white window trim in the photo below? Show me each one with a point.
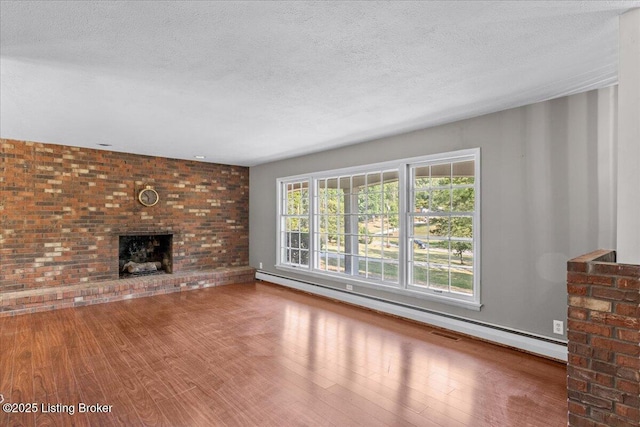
(280, 183)
(473, 154)
(402, 288)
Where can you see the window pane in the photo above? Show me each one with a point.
(288, 223)
(304, 202)
(341, 263)
(441, 175)
(322, 204)
(420, 275)
(345, 184)
(390, 176)
(294, 256)
(463, 173)
(462, 280)
(304, 257)
(294, 240)
(372, 180)
(463, 200)
(362, 245)
(304, 240)
(377, 203)
(338, 224)
(323, 241)
(323, 224)
(329, 262)
(439, 227)
(376, 247)
(462, 253)
(362, 266)
(390, 272)
(321, 195)
(335, 202)
(374, 269)
(384, 226)
(461, 227)
(438, 277)
(290, 204)
(440, 200)
(358, 182)
(322, 261)
(420, 229)
(420, 252)
(390, 232)
(421, 177)
(421, 201)
(365, 222)
(439, 251)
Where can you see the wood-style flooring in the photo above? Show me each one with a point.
(263, 355)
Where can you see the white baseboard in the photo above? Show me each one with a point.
(517, 339)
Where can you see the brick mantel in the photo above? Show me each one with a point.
(604, 341)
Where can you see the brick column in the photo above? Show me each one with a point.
(603, 368)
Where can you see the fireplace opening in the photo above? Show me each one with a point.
(141, 255)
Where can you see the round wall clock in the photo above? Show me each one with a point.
(148, 196)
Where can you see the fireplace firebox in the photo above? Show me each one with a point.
(140, 255)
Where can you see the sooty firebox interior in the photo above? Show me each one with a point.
(145, 254)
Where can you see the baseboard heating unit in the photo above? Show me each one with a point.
(525, 341)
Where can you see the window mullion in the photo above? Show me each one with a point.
(404, 189)
(353, 226)
(313, 235)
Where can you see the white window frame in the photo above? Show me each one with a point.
(403, 168)
(452, 158)
(282, 217)
(351, 240)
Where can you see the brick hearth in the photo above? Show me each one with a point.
(44, 299)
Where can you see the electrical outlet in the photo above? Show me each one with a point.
(260, 266)
(558, 327)
(349, 287)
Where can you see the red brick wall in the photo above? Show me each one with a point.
(604, 341)
(62, 209)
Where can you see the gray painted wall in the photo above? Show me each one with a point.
(545, 199)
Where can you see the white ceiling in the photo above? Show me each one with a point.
(249, 82)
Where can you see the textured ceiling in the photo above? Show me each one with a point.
(249, 82)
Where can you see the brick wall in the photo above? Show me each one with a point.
(604, 341)
(63, 208)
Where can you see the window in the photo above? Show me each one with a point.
(441, 226)
(356, 219)
(294, 224)
(410, 226)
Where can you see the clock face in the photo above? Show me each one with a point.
(148, 197)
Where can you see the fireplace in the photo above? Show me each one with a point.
(141, 255)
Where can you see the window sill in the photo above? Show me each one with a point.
(443, 299)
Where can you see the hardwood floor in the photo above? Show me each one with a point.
(259, 354)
